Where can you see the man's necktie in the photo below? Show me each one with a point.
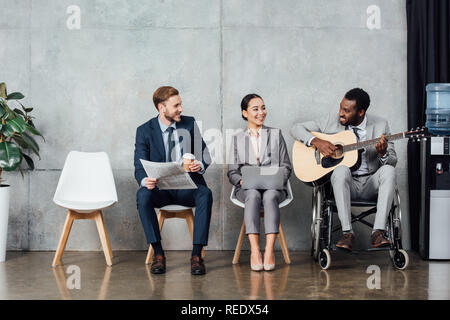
(171, 143)
(355, 131)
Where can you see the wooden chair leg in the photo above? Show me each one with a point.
(103, 237)
(63, 239)
(190, 222)
(240, 242)
(161, 218)
(284, 246)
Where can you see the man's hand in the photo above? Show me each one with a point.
(195, 166)
(150, 183)
(381, 146)
(325, 147)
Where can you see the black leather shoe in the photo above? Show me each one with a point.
(197, 266)
(158, 264)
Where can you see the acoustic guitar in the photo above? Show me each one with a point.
(311, 167)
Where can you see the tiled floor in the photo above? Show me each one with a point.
(29, 275)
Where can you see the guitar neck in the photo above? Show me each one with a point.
(367, 143)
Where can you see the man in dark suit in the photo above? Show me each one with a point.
(166, 138)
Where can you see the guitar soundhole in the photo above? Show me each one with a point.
(328, 162)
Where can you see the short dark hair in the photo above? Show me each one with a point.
(162, 94)
(360, 96)
(246, 100)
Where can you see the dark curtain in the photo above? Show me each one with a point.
(428, 61)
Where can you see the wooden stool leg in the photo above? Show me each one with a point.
(240, 242)
(103, 237)
(161, 218)
(190, 222)
(284, 246)
(63, 239)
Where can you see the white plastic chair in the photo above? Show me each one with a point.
(86, 187)
(281, 234)
(174, 211)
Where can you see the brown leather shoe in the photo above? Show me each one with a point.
(158, 264)
(378, 239)
(346, 242)
(197, 266)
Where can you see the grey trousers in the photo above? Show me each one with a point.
(346, 188)
(254, 201)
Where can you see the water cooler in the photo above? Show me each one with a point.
(434, 237)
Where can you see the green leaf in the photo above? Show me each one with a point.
(26, 109)
(9, 113)
(19, 112)
(19, 140)
(7, 131)
(10, 156)
(29, 161)
(31, 143)
(30, 127)
(15, 96)
(18, 124)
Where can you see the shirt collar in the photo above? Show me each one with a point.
(164, 126)
(361, 126)
(251, 132)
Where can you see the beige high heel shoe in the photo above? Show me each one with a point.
(256, 267)
(269, 267)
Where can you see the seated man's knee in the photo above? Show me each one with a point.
(387, 174)
(144, 196)
(340, 174)
(205, 192)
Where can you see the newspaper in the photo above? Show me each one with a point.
(170, 175)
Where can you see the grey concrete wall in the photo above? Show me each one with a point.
(92, 87)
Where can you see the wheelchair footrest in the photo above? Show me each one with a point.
(378, 249)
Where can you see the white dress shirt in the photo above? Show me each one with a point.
(177, 147)
(255, 140)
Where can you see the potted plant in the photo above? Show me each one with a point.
(16, 131)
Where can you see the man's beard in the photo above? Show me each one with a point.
(172, 118)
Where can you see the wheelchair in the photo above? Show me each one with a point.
(322, 228)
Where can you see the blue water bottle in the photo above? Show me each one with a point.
(438, 108)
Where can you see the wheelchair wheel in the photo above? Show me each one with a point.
(324, 259)
(315, 224)
(400, 259)
(315, 228)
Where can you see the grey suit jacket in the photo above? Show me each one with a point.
(329, 124)
(273, 152)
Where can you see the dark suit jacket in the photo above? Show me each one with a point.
(150, 146)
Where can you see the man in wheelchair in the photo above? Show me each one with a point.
(374, 178)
